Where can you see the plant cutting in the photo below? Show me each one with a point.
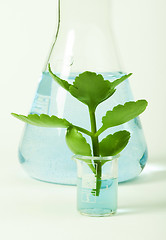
(92, 89)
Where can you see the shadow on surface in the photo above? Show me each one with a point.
(153, 172)
(153, 201)
(143, 208)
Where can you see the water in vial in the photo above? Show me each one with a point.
(104, 204)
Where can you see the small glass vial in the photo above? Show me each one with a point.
(97, 185)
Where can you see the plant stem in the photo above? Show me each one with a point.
(98, 177)
(95, 142)
(95, 146)
(102, 129)
(83, 130)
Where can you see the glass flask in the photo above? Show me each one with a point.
(97, 196)
(83, 42)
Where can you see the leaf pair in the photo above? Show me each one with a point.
(119, 115)
(89, 88)
(109, 146)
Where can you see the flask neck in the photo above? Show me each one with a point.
(75, 12)
(84, 40)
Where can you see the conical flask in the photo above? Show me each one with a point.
(83, 42)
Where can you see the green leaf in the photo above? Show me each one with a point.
(77, 143)
(120, 80)
(122, 114)
(114, 144)
(61, 82)
(91, 89)
(43, 120)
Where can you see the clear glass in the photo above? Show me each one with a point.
(81, 43)
(97, 191)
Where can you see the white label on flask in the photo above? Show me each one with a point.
(41, 104)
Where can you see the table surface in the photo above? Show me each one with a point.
(33, 210)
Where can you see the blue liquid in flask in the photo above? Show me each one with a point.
(43, 152)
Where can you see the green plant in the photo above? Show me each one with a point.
(91, 89)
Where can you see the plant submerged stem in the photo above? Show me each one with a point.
(95, 146)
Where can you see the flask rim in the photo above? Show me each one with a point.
(94, 158)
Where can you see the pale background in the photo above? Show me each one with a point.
(34, 210)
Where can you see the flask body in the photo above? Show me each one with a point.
(84, 42)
